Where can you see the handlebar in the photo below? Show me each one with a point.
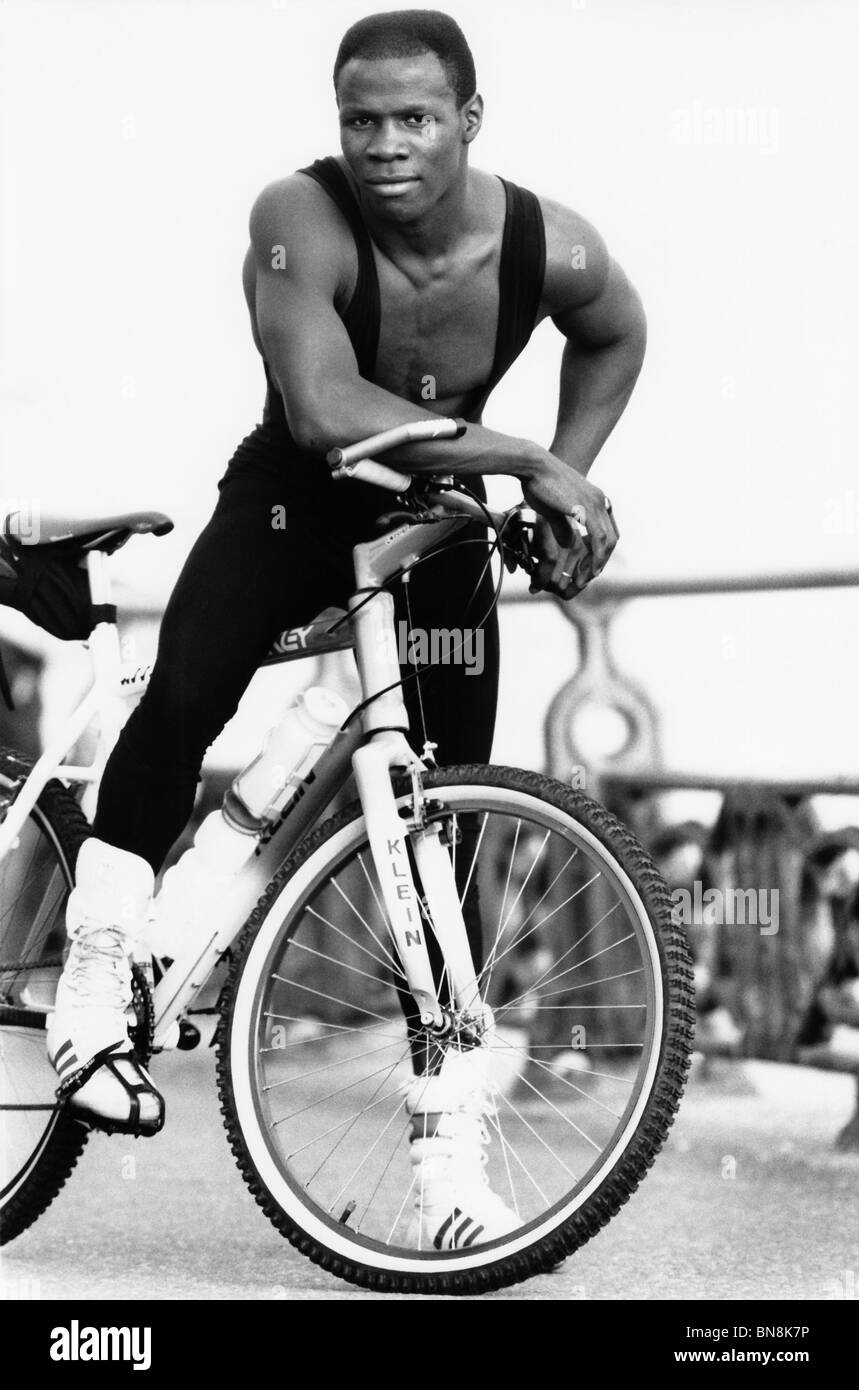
(355, 461)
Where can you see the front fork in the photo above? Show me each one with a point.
(388, 833)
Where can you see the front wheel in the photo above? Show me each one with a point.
(589, 980)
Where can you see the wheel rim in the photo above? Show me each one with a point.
(34, 885)
(329, 1130)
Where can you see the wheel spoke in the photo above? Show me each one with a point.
(332, 998)
(394, 1151)
(399, 1216)
(503, 921)
(389, 958)
(540, 1140)
(553, 979)
(570, 989)
(464, 894)
(359, 1114)
(506, 1147)
(338, 1062)
(340, 1091)
(549, 915)
(317, 1038)
(332, 960)
(380, 960)
(545, 1067)
(522, 934)
(356, 1170)
(356, 1115)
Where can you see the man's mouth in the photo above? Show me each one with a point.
(395, 185)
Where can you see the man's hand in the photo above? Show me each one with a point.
(567, 560)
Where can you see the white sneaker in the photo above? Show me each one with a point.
(88, 1041)
(455, 1207)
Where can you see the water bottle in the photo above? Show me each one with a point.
(195, 883)
(288, 753)
(227, 838)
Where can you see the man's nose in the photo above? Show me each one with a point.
(387, 142)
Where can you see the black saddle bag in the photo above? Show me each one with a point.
(52, 590)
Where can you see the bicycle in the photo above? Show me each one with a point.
(581, 955)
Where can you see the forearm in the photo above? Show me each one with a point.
(596, 384)
(357, 408)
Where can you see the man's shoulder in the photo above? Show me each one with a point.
(292, 205)
(577, 261)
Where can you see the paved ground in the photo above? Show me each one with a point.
(748, 1200)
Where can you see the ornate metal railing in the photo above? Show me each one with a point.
(786, 989)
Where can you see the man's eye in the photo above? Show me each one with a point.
(358, 122)
(418, 118)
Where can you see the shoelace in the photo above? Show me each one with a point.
(468, 1140)
(99, 966)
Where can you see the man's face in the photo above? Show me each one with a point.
(401, 132)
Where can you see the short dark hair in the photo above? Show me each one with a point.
(406, 33)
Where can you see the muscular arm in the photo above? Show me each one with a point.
(299, 263)
(602, 319)
(599, 313)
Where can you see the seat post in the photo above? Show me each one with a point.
(105, 650)
(100, 585)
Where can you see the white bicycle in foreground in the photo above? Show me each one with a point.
(350, 965)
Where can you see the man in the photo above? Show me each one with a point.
(387, 285)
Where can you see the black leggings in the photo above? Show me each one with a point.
(245, 580)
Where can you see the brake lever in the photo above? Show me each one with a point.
(413, 508)
(516, 542)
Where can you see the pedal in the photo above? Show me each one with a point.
(140, 1083)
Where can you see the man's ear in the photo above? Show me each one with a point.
(472, 118)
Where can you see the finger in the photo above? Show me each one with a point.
(542, 577)
(606, 536)
(576, 552)
(568, 527)
(600, 550)
(611, 539)
(582, 568)
(568, 568)
(560, 531)
(569, 589)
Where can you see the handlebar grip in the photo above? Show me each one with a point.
(442, 427)
(369, 471)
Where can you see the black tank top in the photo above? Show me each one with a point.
(271, 447)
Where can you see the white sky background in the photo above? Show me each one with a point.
(137, 134)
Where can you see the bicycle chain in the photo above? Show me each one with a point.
(142, 1032)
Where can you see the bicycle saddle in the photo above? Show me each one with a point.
(106, 533)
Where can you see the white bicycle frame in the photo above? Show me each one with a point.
(371, 747)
